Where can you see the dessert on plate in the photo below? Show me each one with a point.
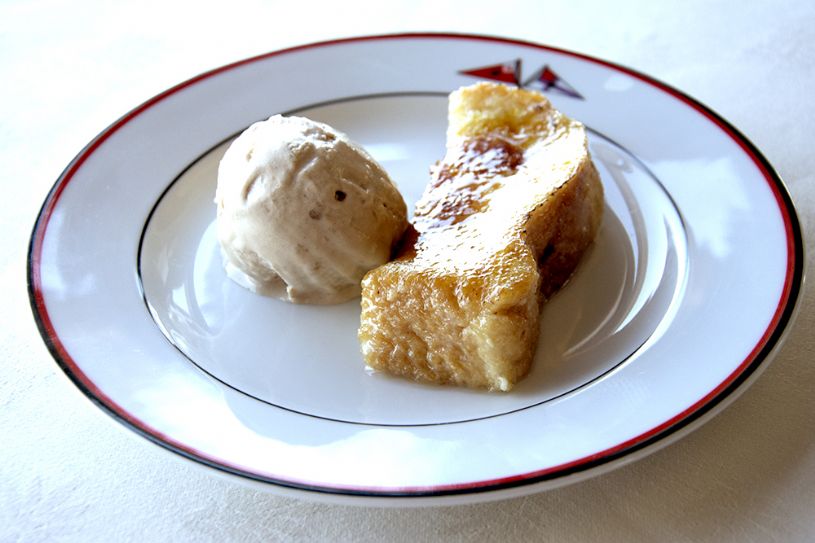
(506, 217)
(303, 212)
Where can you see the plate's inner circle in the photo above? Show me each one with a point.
(307, 359)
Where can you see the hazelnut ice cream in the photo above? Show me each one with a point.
(303, 212)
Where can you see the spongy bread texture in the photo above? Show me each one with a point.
(502, 225)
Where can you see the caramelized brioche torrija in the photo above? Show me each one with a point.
(501, 226)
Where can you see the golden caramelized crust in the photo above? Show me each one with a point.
(501, 226)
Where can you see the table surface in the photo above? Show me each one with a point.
(69, 472)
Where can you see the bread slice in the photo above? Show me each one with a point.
(501, 226)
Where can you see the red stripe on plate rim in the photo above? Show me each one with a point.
(101, 398)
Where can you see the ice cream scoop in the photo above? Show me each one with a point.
(303, 212)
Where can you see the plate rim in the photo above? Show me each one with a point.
(662, 434)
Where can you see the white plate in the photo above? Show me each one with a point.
(680, 303)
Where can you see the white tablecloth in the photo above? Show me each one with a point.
(69, 472)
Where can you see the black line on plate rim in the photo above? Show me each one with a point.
(779, 328)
